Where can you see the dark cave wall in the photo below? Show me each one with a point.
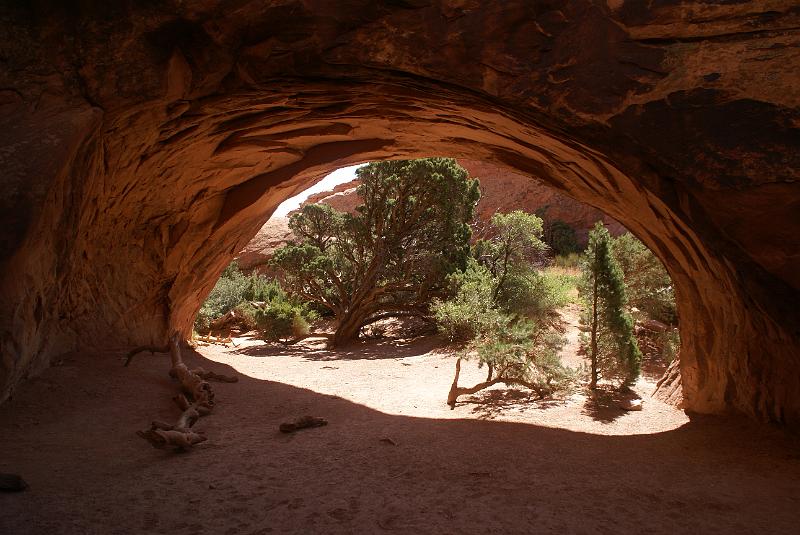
(143, 144)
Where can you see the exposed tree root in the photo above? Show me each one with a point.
(456, 391)
(195, 400)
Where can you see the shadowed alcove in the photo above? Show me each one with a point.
(146, 152)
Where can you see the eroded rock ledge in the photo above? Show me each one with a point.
(142, 145)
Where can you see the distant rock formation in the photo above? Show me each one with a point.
(343, 197)
(503, 190)
(272, 235)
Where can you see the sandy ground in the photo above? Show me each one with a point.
(499, 463)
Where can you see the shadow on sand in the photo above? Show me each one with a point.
(316, 348)
(70, 434)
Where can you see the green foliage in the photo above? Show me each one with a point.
(535, 294)
(561, 237)
(569, 261)
(227, 293)
(472, 309)
(612, 346)
(524, 350)
(511, 251)
(259, 303)
(502, 304)
(247, 314)
(260, 288)
(669, 342)
(283, 318)
(648, 285)
(394, 253)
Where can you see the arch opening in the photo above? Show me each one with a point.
(231, 160)
(235, 315)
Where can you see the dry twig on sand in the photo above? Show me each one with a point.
(302, 423)
(501, 377)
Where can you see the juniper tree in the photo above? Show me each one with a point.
(647, 284)
(393, 254)
(612, 345)
(502, 307)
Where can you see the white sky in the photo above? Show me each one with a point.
(340, 176)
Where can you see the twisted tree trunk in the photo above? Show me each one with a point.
(456, 391)
(347, 330)
(195, 400)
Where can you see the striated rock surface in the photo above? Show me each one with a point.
(343, 197)
(503, 191)
(274, 234)
(143, 144)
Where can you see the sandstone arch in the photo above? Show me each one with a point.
(143, 145)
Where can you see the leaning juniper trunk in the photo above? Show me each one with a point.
(456, 391)
(347, 330)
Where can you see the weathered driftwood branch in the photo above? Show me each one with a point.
(195, 400)
(302, 423)
(456, 391)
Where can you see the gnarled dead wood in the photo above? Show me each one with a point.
(302, 423)
(456, 391)
(195, 400)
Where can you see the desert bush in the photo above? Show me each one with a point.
(202, 322)
(282, 318)
(472, 309)
(226, 294)
(259, 303)
(568, 261)
(536, 294)
(669, 343)
(503, 306)
(561, 237)
(260, 288)
(247, 315)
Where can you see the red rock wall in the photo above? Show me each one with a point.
(143, 144)
(503, 191)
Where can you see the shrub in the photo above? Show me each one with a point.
(262, 289)
(471, 310)
(278, 315)
(536, 294)
(283, 319)
(247, 315)
(568, 261)
(669, 343)
(300, 327)
(226, 294)
(502, 305)
(561, 237)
